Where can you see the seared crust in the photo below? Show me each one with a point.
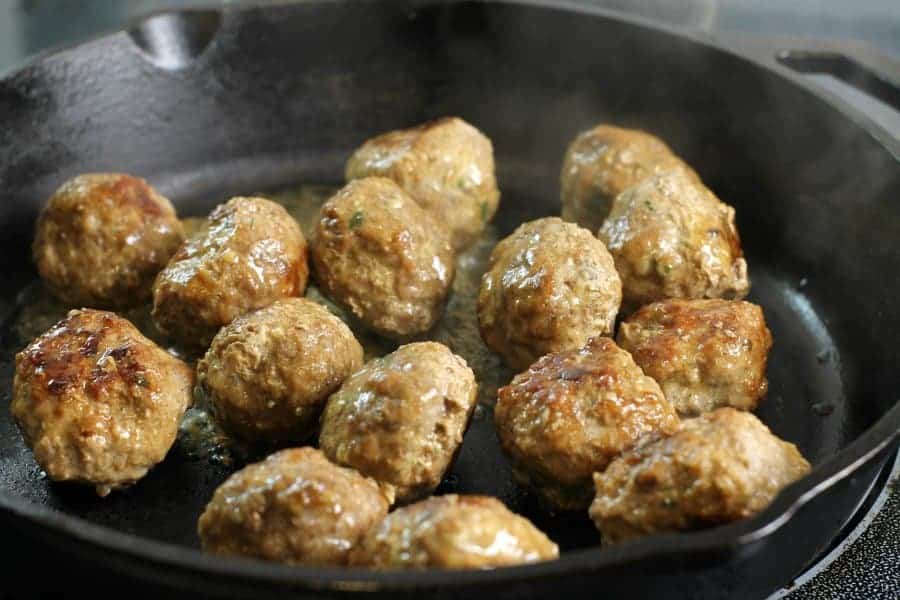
(573, 412)
(703, 353)
(97, 402)
(378, 254)
(251, 253)
(295, 507)
(268, 374)
(446, 166)
(401, 418)
(672, 238)
(603, 162)
(453, 532)
(102, 238)
(722, 466)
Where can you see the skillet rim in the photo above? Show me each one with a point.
(724, 539)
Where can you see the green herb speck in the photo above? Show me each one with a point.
(649, 205)
(356, 220)
(484, 211)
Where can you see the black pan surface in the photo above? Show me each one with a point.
(212, 104)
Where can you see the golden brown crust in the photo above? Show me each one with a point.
(573, 412)
(703, 353)
(97, 402)
(453, 532)
(378, 254)
(550, 286)
(102, 238)
(251, 253)
(295, 507)
(446, 166)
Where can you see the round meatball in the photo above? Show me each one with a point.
(250, 254)
(401, 418)
(295, 507)
(379, 255)
(672, 238)
(573, 412)
(550, 286)
(603, 162)
(268, 374)
(703, 353)
(453, 532)
(102, 238)
(722, 466)
(447, 166)
(97, 402)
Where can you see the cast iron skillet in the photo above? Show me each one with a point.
(208, 104)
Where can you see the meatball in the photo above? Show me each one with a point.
(294, 507)
(549, 286)
(268, 374)
(102, 238)
(573, 412)
(703, 353)
(383, 258)
(401, 418)
(250, 254)
(605, 161)
(672, 238)
(447, 166)
(453, 532)
(722, 466)
(97, 402)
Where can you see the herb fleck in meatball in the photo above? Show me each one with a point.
(703, 353)
(401, 418)
(102, 238)
(550, 286)
(573, 412)
(453, 532)
(97, 402)
(268, 373)
(722, 466)
(294, 507)
(250, 254)
(447, 166)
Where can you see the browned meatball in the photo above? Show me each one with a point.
(447, 166)
(267, 374)
(603, 162)
(102, 238)
(722, 466)
(379, 255)
(703, 353)
(550, 286)
(294, 507)
(573, 412)
(250, 254)
(97, 402)
(401, 418)
(672, 238)
(453, 532)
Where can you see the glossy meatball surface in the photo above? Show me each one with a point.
(721, 466)
(603, 162)
(102, 238)
(378, 254)
(550, 286)
(453, 532)
(251, 253)
(401, 418)
(294, 507)
(268, 374)
(572, 413)
(703, 353)
(672, 238)
(446, 166)
(97, 402)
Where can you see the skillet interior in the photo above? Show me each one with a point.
(283, 94)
